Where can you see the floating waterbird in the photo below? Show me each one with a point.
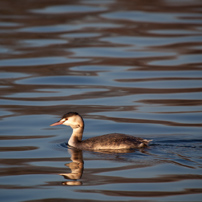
(114, 141)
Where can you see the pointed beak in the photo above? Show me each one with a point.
(57, 123)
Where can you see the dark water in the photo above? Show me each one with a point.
(132, 67)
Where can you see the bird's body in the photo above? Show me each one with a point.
(114, 141)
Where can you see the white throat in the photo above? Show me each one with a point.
(76, 136)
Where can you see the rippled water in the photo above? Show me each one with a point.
(131, 67)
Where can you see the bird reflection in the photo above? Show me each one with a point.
(76, 167)
(77, 164)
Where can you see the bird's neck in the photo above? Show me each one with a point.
(76, 136)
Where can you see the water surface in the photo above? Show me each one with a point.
(131, 67)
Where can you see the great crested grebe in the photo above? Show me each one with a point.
(113, 141)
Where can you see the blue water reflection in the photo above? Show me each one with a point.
(131, 67)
